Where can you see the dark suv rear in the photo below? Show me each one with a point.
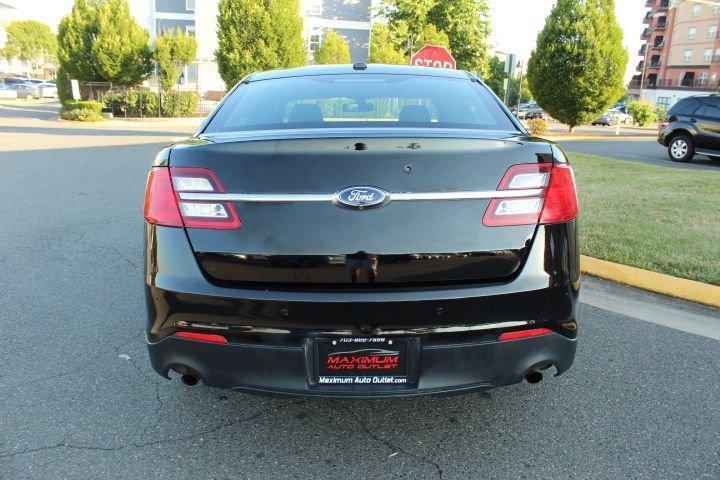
(361, 231)
(692, 126)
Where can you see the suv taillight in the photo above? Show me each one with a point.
(557, 202)
(163, 205)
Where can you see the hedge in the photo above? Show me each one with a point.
(144, 102)
(84, 105)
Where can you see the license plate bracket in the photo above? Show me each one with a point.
(364, 361)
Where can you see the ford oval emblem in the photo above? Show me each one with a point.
(362, 198)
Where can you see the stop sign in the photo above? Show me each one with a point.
(433, 56)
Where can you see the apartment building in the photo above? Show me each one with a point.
(351, 19)
(681, 53)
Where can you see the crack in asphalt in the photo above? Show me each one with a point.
(260, 413)
(392, 446)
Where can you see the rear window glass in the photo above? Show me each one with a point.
(327, 101)
(685, 107)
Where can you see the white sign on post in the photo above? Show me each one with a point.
(75, 89)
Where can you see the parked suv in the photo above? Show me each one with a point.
(692, 126)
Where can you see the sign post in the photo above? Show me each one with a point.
(433, 56)
(75, 86)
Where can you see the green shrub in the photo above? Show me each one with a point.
(537, 126)
(642, 113)
(179, 104)
(135, 103)
(660, 111)
(80, 114)
(83, 105)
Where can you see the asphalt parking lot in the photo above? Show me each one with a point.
(637, 150)
(78, 398)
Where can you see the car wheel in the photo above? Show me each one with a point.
(681, 149)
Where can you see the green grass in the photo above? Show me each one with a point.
(661, 219)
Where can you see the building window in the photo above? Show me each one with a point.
(707, 56)
(190, 5)
(316, 8)
(190, 30)
(716, 10)
(712, 31)
(713, 77)
(314, 41)
(688, 55)
(692, 32)
(663, 102)
(703, 78)
(696, 10)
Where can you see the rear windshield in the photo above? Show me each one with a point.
(366, 100)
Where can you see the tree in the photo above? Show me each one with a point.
(258, 35)
(580, 48)
(31, 42)
(495, 76)
(384, 47)
(173, 51)
(461, 25)
(76, 34)
(121, 50)
(333, 50)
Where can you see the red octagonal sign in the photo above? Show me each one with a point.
(433, 56)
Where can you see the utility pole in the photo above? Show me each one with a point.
(520, 66)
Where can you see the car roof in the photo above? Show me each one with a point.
(348, 69)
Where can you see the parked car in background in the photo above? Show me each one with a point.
(521, 114)
(36, 81)
(48, 90)
(691, 127)
(536, 113)
(606, 119)
(294, 253)
(26, 90)
(621, 117)
(14, 80)
(6, 92)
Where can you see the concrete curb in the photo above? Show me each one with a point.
(655, 282)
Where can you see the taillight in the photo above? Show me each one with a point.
(533, 332)
(160, 205)
(556, 200)
(203, 337)
(164, 206)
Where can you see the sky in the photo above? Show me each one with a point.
(515, 23)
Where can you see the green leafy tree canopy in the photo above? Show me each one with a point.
(173, 51)
(31, 42)
(255, 35)
(385, 47)
(581, 48)
(461, 25)
(495, 76)
(121, 50)
(76, 34)
(333, 50)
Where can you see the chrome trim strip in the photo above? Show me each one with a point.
(456, 329)
(395, 197)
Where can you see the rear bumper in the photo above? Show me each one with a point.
(271, 332)
(289, 370)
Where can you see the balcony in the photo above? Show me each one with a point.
(655, 63)
(648, 17)
(658, 45)
(716, 59)
(640, 66)
(645, 34)
(661, 24)
(643, 49)
(663, 5)
(697, 84)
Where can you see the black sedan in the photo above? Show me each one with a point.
(361, 231)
